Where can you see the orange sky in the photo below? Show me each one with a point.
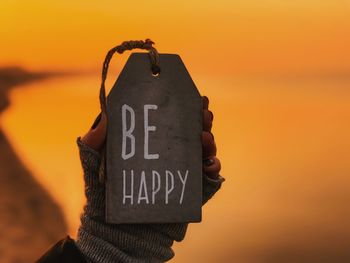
(283, 143)
(232, 37)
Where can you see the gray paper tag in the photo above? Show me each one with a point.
(154, 151)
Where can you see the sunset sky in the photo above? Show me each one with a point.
(232, 37)
(278, 76)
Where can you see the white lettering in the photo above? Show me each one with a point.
(167, 189)
(143, 188)
(148, 128)
(131, 196)
(128, 133)
(183, 181)
(154, 190)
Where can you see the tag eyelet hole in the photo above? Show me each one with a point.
(155, 70)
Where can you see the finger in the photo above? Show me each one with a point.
(208, 144)
(101, 128)
(95, 137)
(96, 122)
(207, 120)
(205, 102)
(212, 167)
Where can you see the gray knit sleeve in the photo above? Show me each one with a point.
(127, 243)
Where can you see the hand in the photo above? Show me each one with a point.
(96, 137)
(211, 164)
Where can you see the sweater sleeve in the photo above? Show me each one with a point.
(127, 243)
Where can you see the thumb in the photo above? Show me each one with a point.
(96, 136)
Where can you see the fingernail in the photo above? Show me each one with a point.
(96, 122)
(208, 162)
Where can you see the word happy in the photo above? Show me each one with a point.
(147, 187)
(148, 193)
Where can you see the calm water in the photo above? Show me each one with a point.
(284, 146)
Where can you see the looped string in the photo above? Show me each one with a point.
(127, 45)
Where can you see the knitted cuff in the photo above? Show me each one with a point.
(123, 242)
(101, 242)
(97, 250)
(94, 189)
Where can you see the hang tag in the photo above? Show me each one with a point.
(154, 150)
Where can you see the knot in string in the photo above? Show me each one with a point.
(127, 45)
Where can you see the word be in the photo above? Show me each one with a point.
(127, 133)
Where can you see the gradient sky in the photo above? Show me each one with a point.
(242, 36)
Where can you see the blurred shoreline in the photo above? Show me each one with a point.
(31, 220)
(11, 77)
